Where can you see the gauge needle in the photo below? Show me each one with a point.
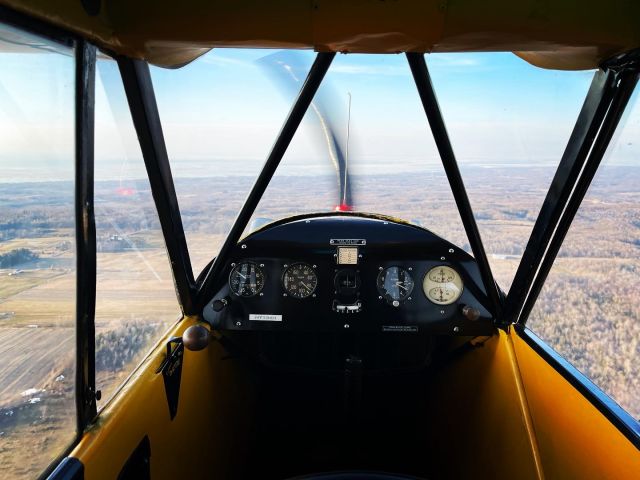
(399, 284)
(243, 276)
(305, 285)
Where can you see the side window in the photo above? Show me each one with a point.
(37, 253)
(588, 310)
(135, 297)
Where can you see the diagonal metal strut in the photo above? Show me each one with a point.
(146, 119)
(307, 92)
(429, 100)
(603, 108)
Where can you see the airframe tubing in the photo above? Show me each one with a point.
(429, 100)
(83, 154)
(85, 235)
(307, 92)
(584, 133)
(144, 112)
(624, 89)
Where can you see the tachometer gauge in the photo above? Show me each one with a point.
(395, 285)
(246, 279)
(299, 280)
(442, 285)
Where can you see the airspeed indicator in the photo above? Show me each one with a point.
(299, 280)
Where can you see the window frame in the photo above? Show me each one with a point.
(617, 415)
(83, 166)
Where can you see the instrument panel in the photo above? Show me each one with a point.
(349, 272)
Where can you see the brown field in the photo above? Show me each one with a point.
(588, 310)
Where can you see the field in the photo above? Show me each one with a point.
(588, 310)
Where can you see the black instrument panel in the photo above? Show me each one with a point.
(348, 272)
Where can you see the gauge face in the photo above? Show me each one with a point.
(442, 285)
(299, 280)
(395, 284)
(246, 279)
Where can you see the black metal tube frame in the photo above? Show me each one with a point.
(625, 85)
(83, 206)
(600, 114)
(585, 130)
(429, 100)
(136, 79)
(307, 92)
(85, 234)
(37, 27)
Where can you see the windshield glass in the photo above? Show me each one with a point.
(508, 121)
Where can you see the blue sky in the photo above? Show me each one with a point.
(222, 113)
(498, 108)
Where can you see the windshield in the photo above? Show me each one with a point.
(222, 113)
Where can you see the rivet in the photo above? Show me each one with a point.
(441, 258)
(442, 312)
(238, 324)
(456, 329)
(346, 325)
(451, 250)
(243, 246)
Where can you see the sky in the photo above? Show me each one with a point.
(222, 112)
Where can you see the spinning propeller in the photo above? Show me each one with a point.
(288, 71)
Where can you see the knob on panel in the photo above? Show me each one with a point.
(196, 338)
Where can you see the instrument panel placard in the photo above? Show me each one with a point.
(347, 255)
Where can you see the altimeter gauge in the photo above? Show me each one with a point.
(395, 284)
(442, 285)
(246, 279)
(299, 280)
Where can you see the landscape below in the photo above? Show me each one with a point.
(588, 310)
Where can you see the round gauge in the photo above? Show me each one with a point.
(246, 279)
(442, 285)
(395, 284)
(299, 280)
